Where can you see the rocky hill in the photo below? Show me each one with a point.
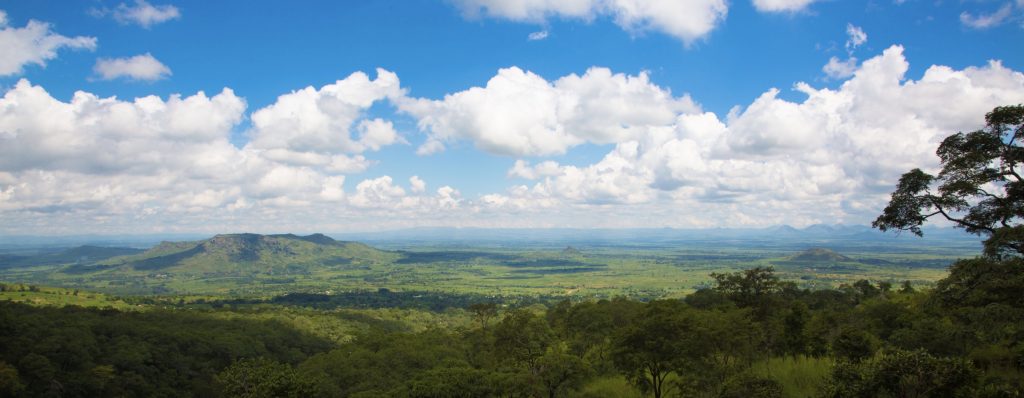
(249, 253)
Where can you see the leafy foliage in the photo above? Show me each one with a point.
(263, 378)
(979, 188)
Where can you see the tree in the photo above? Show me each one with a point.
(663, 340)
(900, 373)
(10, 383)
(261, 377)
(559, 370)
(483, 312)
(522, 337)
(748, 288)
(979, 187)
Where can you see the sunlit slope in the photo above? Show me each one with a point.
(250, 253)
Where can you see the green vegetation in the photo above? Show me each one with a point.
(287, 316)
(749, 335)
(980, 188)
(261, 266)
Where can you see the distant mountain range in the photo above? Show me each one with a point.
(652, 235)
(75, 255)
(558, 236)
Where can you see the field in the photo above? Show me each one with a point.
(596, 268)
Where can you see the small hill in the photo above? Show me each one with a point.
(820, 255)
(240, 254)
(570, 251)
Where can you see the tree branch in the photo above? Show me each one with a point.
(956, 220)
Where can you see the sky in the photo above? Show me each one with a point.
(345, 116)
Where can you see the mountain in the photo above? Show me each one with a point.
(820, 255)
(75, 255)
(570, 251)
(236, 254)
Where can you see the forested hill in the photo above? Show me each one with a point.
(246, 253)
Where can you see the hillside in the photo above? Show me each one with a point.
(249, 253)
(820, 255)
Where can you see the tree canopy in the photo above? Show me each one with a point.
(979, 187)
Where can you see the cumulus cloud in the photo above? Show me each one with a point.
(832, 157)
(120, 165)
(315, 123)
(519, 113)
(35, 43)
(163, 161)
(140, 67)
(985, 21)
(837, 69)
(416, 184)
(539, 35)
(106, 135)
(522, 169)
(782, 5)
(684, 20)
(144, 14)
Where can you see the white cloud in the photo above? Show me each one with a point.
(377, 133)
(684, 20)
(837, 69)
(529, 10)
(521, 114)
(328, 120)
(687, 21)
(985, 21)
(145, 14)
(417, 185)
(855, 37)
(378, 192)
(539, 35)
(782, 5)
(101, 135)
(430, 147)
(35, 43)
(522, 169)
(168, 163)
(830, 158)
(126, 165)
(139, 67)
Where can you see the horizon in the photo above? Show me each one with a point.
(378, 116)
(412, 237)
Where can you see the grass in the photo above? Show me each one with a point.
(60, 297)
(595, 271)
(799, 376)
(607, 387)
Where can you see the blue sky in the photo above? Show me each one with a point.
(496, 113)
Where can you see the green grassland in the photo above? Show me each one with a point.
(249, 265)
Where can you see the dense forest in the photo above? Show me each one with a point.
(750, 335)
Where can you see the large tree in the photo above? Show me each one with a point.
(979, 187)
